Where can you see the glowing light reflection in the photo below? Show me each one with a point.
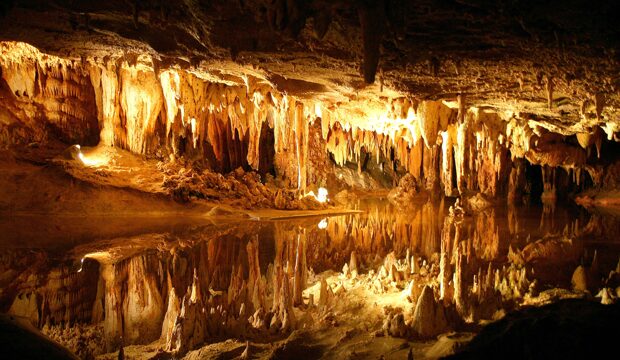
(90, 160)
(81, 265)
(317, 110)
(321, 196)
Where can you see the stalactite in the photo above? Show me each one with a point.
(299, 280)
(447, 158)
(433, 117)
(549, 87)
(141, 101)
(301, 146)
(130, 102)
(430, 163)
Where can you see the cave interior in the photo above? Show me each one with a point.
(205, 179)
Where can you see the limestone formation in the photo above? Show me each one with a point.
(429, 318)
(281, 178)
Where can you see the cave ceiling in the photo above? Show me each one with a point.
(541, 60)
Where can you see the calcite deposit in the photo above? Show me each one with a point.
(306, 179)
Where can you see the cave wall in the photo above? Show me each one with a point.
(126, 103)
(133, 103)
(45, 97)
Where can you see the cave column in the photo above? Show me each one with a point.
(301, 146)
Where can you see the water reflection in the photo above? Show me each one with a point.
(188, 284)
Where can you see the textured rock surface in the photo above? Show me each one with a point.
(204, 107)
(496, 53)
(429, 318)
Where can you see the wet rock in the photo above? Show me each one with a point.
(72, 152)
(547, 250)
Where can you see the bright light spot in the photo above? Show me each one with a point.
(323, 224)
(182, 108)
(193, 126)
(322, 195)
(257, 98)
(81, 265)
(89, 160)
(317, 110)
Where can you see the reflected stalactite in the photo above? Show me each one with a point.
(486, 237)
(258, 279)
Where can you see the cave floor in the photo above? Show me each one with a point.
(118, 184)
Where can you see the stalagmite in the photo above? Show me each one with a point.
(323, 295)
(445, 272)
(164, 185)
(599, 104)
(353, 264)
(246, 353)
(172, 313)
(256, 287)
(429, 319)
(607, 298)
(459, 288)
